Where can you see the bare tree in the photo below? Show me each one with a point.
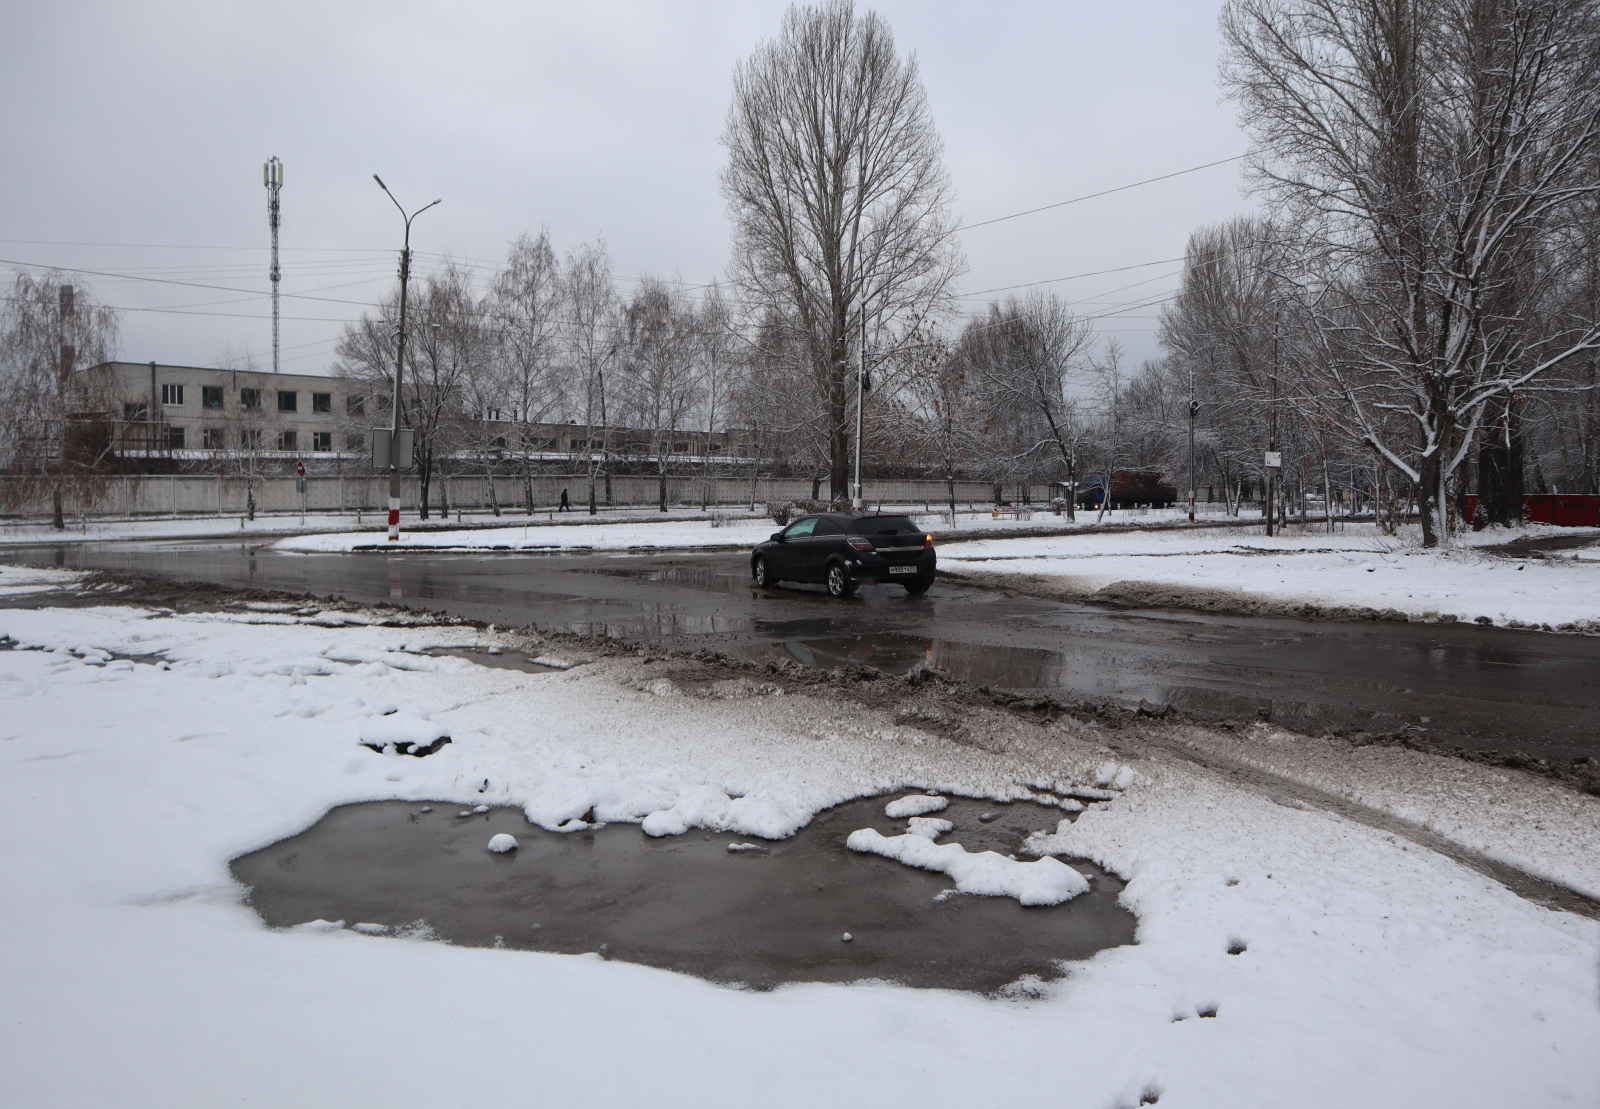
(837, 192)
(56, 435)
(524, 384)
(447, 345)
(661, 339)
(1420, 145)
(1028, 354)
(950, 412)
(589, 299)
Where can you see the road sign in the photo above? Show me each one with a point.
(380, 448)
(300, 469)
(1274, 460)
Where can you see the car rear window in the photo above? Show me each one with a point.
(886, 525)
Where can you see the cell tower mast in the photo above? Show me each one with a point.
(272, 178)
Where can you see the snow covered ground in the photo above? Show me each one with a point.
(1370, 972)
(1355, 568)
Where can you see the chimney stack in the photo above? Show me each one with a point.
(67, 322)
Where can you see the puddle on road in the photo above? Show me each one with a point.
(686, 903)
(499, 660)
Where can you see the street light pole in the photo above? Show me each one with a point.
(399, 362)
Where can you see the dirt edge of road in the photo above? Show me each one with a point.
(986, 717)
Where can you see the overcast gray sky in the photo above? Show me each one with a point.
(137, 133)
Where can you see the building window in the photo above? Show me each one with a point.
(249, 398)
(680, 448)
(250, 439)
(174, 438)
(212, 438)
(355, 442)
(288, 400)
(322, 402)
(355, 405)
(172, 394)
(322, 440)
(544, 444)
(714, 448)
(288, 440)
(385, 402)
(136, 413)
(580, 444)
(498, 442)
(634, 447)
(211, 396)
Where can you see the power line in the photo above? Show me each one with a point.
(1106, 192)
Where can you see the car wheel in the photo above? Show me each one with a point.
(917, 588)
(839, 583)
(758, 572)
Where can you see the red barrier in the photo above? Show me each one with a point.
(1564, 510)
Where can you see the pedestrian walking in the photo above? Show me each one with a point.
(565, 507)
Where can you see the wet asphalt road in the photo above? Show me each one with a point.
(1490, 689)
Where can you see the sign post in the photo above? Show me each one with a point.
(1273, 463)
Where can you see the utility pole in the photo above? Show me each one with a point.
(1194, 408)
(272, 178)
(399, 362)
(861, 396)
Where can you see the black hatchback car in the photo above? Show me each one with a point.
(842, 551)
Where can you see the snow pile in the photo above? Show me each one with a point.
(929, 827)
(401, 729)
(696, 807)
(500, 843)
(916, 804)
(17, 580)
(1043, 881)
(1355, 568)
(623, 535)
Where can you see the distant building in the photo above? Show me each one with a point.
(202, 417)
(195, 412)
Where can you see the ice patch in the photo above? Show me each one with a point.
(917, 804)
(319, 925)
(1044, 881)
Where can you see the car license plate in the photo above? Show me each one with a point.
(902, 569)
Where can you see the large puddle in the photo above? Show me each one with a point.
(757, 918)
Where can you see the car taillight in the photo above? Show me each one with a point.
(927, 540)
(860, 542)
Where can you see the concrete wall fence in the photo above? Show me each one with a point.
(207, 495)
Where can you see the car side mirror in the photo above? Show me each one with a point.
(777, 537)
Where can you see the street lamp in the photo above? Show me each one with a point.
(399, 361)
